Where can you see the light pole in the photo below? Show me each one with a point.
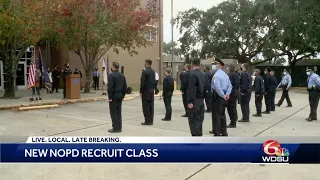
(172, 50)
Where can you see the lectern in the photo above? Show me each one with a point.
(73, 86)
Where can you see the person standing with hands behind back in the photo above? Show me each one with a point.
(245, 92)
(66, 72)
(259, 89)
(168, 87)
(314, 93)
(117, 86)
(196, 88)
(147, 86)
(221, 89)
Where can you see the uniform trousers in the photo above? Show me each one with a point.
(167, 103)
(285, 95)
(245, 101)
(273, 107)
(258, 102)
(196, 117)
(148, 105)
(219, 120)
(115, 107)
(268, 99)
(313, 102)
(185, 102)
(232, 106)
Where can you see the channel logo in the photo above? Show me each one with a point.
(274, 152)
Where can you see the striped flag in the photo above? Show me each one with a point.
(32, 72)
(47, 78)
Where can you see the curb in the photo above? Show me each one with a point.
(61, 102)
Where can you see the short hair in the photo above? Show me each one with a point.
(245, 65)
(257, 70)
(148, 62)
(232, 67)
(207, 68)
(168, 70)
(268, 69)
(115, 65)
(188, 66)
(196, 61)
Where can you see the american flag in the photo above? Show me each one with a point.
(32, 70)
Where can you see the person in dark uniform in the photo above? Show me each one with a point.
(117, 86)
(147, 86)
(168, 87)
(221, 90)
(275, 83)
(184, 87)
(66, 72)
(269, 90)
(96, 77)
(195, 94)
(314, 93)
(78, 72)
(285, 84)
(239, 74)
(208, 93)
(245, 92)
(234, 96)
(56, 78)
(259, 88)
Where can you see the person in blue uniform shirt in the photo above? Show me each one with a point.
(259, 88)
(234, 96)
(221, 88)
(314, 93)
(285, 84)
(168, 87)
(245, 92)
(184, 87)
(195, 92)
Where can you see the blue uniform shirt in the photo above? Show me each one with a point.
(96, 74)
(313, 80)
(286, 81)
(221, 84)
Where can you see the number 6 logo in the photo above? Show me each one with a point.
(271, 147)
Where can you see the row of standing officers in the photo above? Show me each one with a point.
(217, 90)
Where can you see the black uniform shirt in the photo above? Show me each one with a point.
(168, 86)
(184, 83)
(56, 73)
(274, 83)
(117, 85)
(235, 80)
(245, 83)
(148, 80)
(258, 85)
(209, 76)
(196, 85)
(66, 72)
(78, 72)
(268, 83)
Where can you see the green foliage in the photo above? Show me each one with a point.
(253, 31)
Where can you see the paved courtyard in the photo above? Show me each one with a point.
(93, 119)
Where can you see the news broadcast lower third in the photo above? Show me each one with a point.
(82, 149)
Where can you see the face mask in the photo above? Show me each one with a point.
(214, 67)
(266, 72)
(284, 73)
(308, 73)
(67, 67)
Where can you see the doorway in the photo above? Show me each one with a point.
(21, 80)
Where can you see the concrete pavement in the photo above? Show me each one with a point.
(92, 119)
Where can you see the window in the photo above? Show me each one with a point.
(148, 36)
(155, 36)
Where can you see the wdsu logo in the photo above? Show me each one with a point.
(275, 153)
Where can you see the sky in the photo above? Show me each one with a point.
(178, 6)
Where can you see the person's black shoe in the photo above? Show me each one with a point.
(113, 131)
(257, 115)
(216, 135)
(31, 99)
(208, 111)
(40, 99)
(243, 120)
(310, 119)
(166, 119)
(231, 125)
(289, 106)
(266, 112)
(273, 110)
(224, 134)
(185, 115)
(278, 105)
(211, 132)
(36, 99)
(146, 124)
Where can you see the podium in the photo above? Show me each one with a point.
(73, 86)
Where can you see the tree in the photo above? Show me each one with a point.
(20, 27)
(168, 46)
(90, 28)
